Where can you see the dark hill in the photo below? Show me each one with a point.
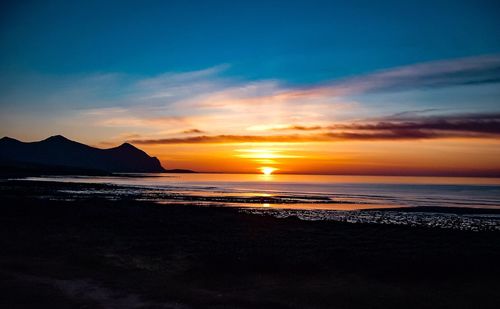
(62, 152)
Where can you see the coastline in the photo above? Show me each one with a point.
(101, 253)
(305, 206)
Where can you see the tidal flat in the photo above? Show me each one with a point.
(64, 252)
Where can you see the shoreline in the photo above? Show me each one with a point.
(300, 206)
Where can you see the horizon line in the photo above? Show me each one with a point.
(329, 174)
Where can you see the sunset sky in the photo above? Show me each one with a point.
(323, 87)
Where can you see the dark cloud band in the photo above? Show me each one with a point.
(457, 126)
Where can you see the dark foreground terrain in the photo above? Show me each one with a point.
(96, 253)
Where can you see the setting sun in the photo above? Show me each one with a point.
(267, 170)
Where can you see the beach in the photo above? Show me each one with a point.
(100, 253)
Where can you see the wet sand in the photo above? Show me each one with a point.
(97, 253)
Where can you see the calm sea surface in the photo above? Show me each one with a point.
(303, 191)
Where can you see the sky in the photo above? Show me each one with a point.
(322, 87)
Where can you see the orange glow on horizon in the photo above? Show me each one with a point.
(432, 157)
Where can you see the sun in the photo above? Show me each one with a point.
(267, 170)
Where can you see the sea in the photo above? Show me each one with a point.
(314, 197)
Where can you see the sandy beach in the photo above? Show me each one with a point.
(97, 253)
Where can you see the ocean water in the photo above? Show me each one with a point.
(306, 192)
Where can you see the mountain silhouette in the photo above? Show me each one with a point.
(62, 152)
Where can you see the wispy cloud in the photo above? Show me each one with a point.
(477, 123)
(223, 107)
(217, 139)
(453, 126)
(303, 138)
(193, 131)
(471, 123)
(435, 74)
(301, 128)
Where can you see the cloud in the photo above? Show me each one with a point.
(298, 138)
(301, 128)
(219, 139)
(473, 123)
(177, 102)
(451, 126)
(413, 113)
(435, 74)
(193, 131)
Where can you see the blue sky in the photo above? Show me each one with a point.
(296, 42)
